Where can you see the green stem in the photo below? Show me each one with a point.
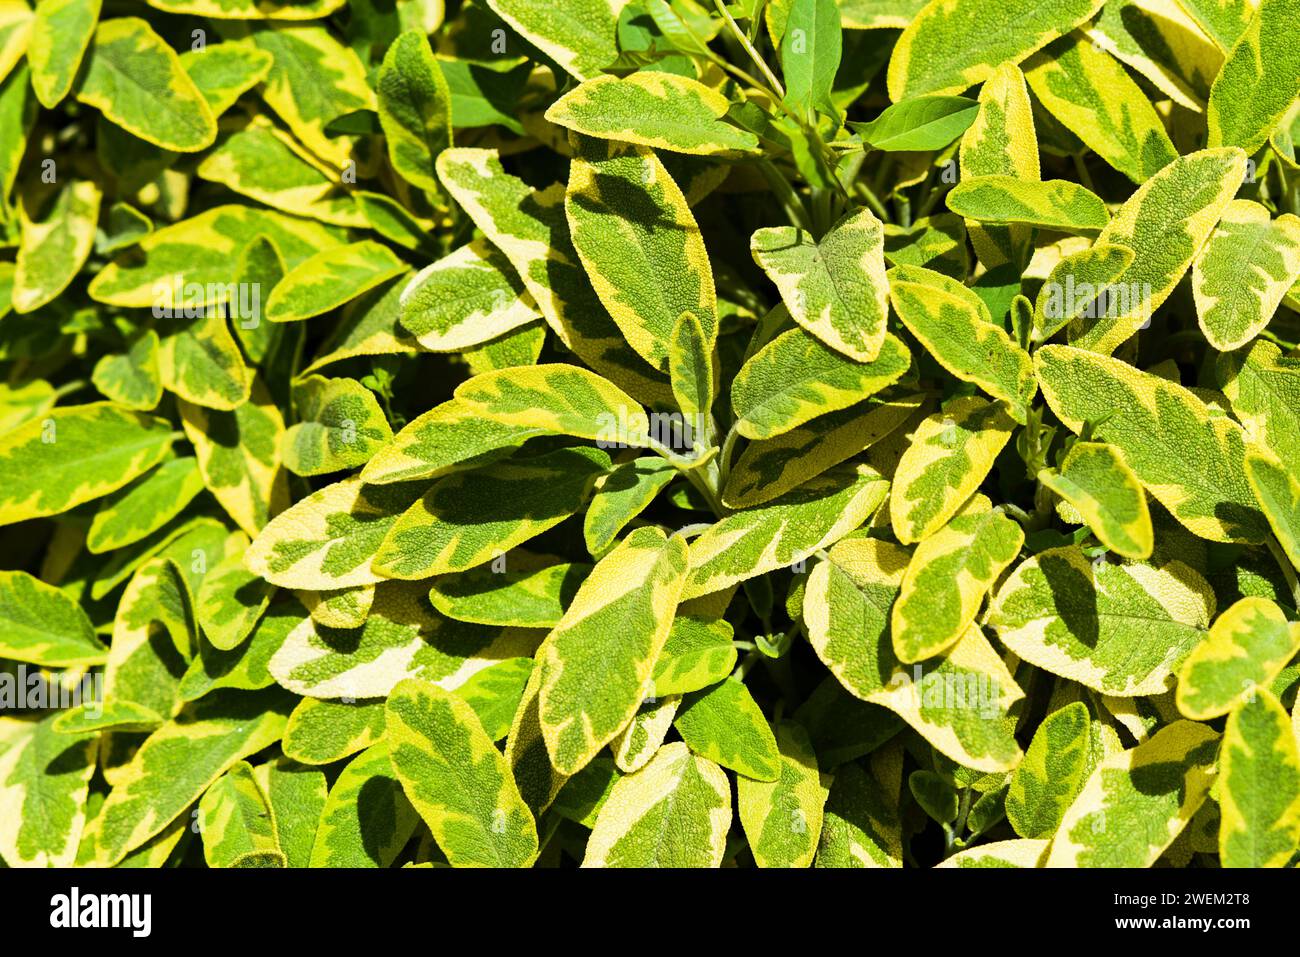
(785, 194)
(773, 83)
(1288, 570)
(76, 385)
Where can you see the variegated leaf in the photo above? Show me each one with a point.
(640, 245)
(44, 779)
(1092, 95)
(1243, 271)
(784, 531)
(1119, 629)
(783, 818)
(340, 426)
(1137, 802)
(1097, 482)
(953, 44)
(795, 378)
(402, 638)
(456, 779)
(1248, 645)
(655, 109)
(1057, 763)
(597, 663)
(1145, 417)
(470, 518)
(74, 455)
(835, 286)
(950, 454)
(1259, 793)
(947, 578)
(955, 326)
(674, 812)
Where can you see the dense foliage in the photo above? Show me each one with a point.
(649, 432)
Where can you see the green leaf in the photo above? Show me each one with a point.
(61, 31)
(132, 378)
(236, 823)
(1165, 223)
(1093, 96)
(1056, 204)
(466, 298)
(950, 454)
(470, 518)
(784, 531)
(457, 780)
(1259, 795)
(367, 818)
(41, 625)
(44, 779)
(580, 36)
(621, 497)
(955, 326)
(401, 638)
(340, 426)
(1056, 765)
(597, 663)
(75, 454)
(1119, 629)
(1243, 271)
(414, 108)
(811, 47)
(660, 110)
(1248, 646)
(1137, 802)
(953, 44)
(57, 236)
(330, 279)
(239, 457)
(834, 287)
(698, 653)
(530, 591)
(674, 812)
(724, 724)
(1169, 437)
(136, 80)
(322, 732)
(1259, 81)
(919, 123)
(947, 578)
(957, 702)
(179, 761)
(640, 245)
(1097, 482)
(783, 818)
(795, 378)
(327, 540)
